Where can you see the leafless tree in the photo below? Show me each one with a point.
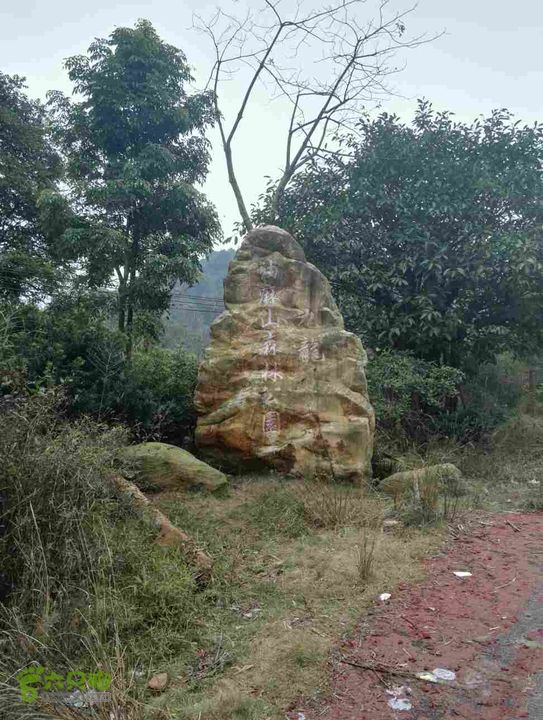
(328, 63)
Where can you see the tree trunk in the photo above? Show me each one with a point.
(134, 251)
(122, 307)
(278, 196)
(236, 188)
(129, 319)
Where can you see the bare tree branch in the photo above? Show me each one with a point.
(328, 64)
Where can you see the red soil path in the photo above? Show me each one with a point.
(487, 628)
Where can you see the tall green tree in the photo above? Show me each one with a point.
(431, 233)
(28, 167)
(134, 148)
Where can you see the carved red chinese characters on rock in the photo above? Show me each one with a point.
(282, 383)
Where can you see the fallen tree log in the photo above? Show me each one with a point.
(169, 535)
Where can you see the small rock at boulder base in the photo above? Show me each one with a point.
(390, 524)
(159, 466)
(282, 383)
(158, 682)
(444, 478)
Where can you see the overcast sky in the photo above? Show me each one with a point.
(488, 57)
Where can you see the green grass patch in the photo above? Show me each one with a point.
(278, 512)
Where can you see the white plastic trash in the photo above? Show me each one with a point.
(428, 676)
(400, 703)
(462, 573)
(385, 597)
(444, 675)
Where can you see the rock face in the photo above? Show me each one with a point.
(159, 466)
(282, 383)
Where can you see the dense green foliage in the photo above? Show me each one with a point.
(430, 234)
(419, 400)
(159, 390)
(69, 344)
(28, 167)
(134, 149)
(126, 217)
(405, 389)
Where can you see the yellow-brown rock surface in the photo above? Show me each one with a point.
(282, 383)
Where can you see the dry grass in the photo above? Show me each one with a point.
(297, 564)
(311, 583)
(506, 473)
(295, 567)
(365, 553)
(330, 505)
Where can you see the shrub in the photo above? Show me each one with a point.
(85, 585)
(71, 346)
(365, 553)
(159, 390)
(408, 392)
(332, 505)
(420, 400)
(54, 478)
(490, 396)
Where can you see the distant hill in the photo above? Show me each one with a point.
(192, 310)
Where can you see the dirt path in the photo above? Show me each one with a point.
(487, 629)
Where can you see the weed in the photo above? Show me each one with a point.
(305, 656)
(431, 508)
(85, 584)
(212, 662)
(329, 504)
(279, 511)
(228, 704)
(366, 554)
(534, 501)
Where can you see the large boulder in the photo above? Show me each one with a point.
(159, 466)
(282, 383)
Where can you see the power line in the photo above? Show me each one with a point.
(198, 310)
(198, 297)
(208, 306)
(198, 303)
